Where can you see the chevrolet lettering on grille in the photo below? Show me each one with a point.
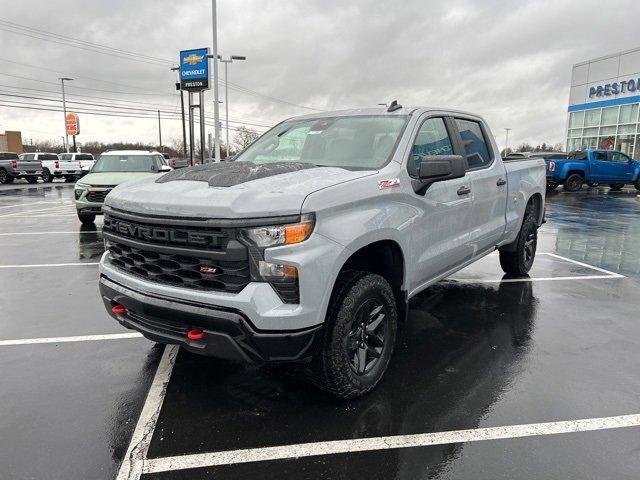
(161, 234)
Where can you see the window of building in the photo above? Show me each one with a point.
(591, 132)
(625, 143)
(629, 113)
(626, 129)
(576, 119)
(576, 132)
(607, 143)
(475, 146)
(618, 157)
(592, 118)
(609, 116)
(432, 139)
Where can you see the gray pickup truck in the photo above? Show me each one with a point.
(12, 167)
(310, 244)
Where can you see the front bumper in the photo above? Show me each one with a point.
(228, 333)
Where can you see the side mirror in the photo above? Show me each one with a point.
(437, 168)
(165, 168)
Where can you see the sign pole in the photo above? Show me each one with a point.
(191, 128)
(184, 131)
(202, 144)
(216, 108)
(159, 132)
(74, 143)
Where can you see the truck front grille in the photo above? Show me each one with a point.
(97, 197)
(181, 270)
(177, 253)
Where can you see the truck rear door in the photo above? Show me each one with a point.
(488, 182)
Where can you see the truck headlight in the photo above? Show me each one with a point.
(271, 236)
(80, 189)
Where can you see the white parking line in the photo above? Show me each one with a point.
(50, 265)
(533, 279)
(23, 212)
(156, 465)
(47, 233)
(132, 463)
(598, 269)
(79, 338)
(28, 204)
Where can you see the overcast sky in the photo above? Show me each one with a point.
(508, 61)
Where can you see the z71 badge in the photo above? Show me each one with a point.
(394, 182)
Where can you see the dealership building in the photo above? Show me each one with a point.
(603, 103)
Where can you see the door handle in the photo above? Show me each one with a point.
(501, 182)
(464, 190)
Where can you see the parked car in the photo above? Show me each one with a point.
(177, 162)
(112, 169)
(13, 166)
(53, 167)
(592, 166)
(311, 243)
(86, 160)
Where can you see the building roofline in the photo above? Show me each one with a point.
(604, 57)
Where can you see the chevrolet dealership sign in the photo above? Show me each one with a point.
(608, 89)
(194, 69)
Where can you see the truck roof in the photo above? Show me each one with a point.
(131, 152)
(378, 111)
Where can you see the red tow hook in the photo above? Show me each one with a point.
(195, 334)
(118, 309)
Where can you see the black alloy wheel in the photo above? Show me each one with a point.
(46, 176)
(4, 177)
(367, 339)
(573, 183)
(530, 245)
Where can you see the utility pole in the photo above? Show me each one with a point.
(506, 141)
(216, 109)
(184, 129)
(64, 112)
(160, 132)
(226, 91)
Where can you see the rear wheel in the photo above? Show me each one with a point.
(4, 177)
(86, 218)
(573, 183)
(32, 179)
(46, 176)
(616, 187)
(358, 338)
(520, 260)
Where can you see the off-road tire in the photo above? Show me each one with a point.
(32, 179)
(46, 176)
(616, 187)
(86, 218)
(331, 367)
(4, 177)
(520, 261)
(574, 182)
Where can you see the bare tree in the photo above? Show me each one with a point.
(244, 137)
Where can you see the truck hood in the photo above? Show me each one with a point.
(113, 178)
(279, 194)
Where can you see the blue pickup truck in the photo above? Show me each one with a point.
(593, 167)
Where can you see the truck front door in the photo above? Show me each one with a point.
(599, 167)
(440, 235)
(621, 167)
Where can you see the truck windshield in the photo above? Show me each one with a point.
(125, 163)
(358, 142)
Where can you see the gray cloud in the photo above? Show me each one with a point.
(509, 61)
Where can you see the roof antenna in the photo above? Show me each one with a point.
(394, 106)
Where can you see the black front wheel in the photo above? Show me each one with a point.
(86, 218)
(46, 176)
(359, 335)
(637, 184)
(4, 177)
(616, 187)
(518, 259)
(32, 179)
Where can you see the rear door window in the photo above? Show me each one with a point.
(474, 143)
(432, 139)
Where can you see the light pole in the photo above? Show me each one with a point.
(64, 112)
(226, 91)
(184, 130)
(506, 141)
(216, 109)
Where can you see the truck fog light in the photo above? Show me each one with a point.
(273, 271)
(78, 193)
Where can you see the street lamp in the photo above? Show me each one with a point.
(64, 112)
(506, 141)
(226, 90)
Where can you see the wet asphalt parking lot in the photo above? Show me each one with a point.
(492, 378)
